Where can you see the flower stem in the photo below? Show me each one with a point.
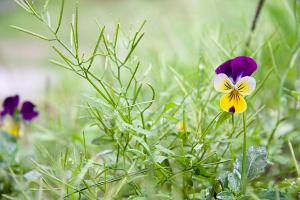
(255, 19)
(244, 175)
(294, 157)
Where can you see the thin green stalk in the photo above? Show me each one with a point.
(244, 175)
(230, 136)
(255, 19)
(294, 158)
(274, 130)
(209, 126)
(60, 16)
(110, 181)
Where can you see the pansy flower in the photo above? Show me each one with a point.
(14, 116)
(10, 105)
(234, 79)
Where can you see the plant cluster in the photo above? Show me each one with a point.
(182, 149)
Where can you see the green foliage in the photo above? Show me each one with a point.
(255, 163)
(231, 181)
(159, 134)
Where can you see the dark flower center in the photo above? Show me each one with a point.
(232, 110)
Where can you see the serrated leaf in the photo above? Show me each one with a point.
(270, 194)
(255, 163)
(234, 183)
(230, 181)
(223, 179)
(225, 195)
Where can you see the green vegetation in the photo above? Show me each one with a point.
(149, 125)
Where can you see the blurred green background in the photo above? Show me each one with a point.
(178, 33)
(191, 37)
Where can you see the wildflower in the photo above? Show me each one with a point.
(234, 79)
(10, 105)
(12, 117)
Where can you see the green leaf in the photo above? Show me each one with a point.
(225, 195)
(165, 150)
(223, 179)
(137, 129)
(171, 118)
(169, 105)
(270, 194)
(202, 171)
(234, 183)
(230, 181)
(255, 165)
(136, 152)
(295, 93)
(60, 15)
(31, 33)
(159, 158)
(143, 143)
(102, 140)
(137, 198)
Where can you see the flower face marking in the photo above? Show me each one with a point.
(233, 102)
(223, 84)
(233, 78)
(246, 85)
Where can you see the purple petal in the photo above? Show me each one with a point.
(10, 105)
(225, 68)
(27, 111)
(237, 67)
(242, 66)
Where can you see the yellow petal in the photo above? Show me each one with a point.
(246, 85)
(11, 126)
(233, 102)
(222, 83)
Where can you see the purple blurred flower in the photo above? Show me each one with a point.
(10, 107)
(238, 67)
(27, 111)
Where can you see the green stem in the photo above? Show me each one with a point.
(294, 157)
(244, 175)
(230, 136)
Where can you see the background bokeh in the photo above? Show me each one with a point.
(173, 34)
(184, 42)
